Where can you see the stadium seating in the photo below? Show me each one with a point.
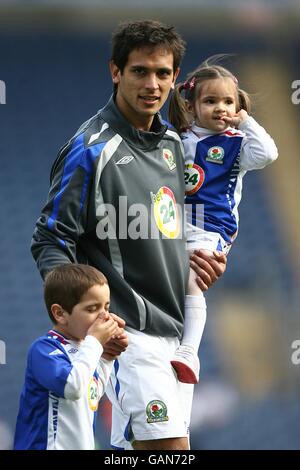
(54, 83)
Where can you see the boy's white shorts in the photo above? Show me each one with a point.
(148, 401)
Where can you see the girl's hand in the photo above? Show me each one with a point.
(236, 120)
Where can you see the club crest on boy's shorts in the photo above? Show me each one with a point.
(156, 412)
(215, 155)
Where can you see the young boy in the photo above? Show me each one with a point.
(65, 374)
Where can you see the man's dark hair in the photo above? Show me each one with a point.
(66, 284)
(145, 33)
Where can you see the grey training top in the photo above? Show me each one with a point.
(112, 204)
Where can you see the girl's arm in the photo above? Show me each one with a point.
(258, 148)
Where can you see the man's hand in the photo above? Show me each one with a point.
(115, 346)
(119, 320)
(208, 268)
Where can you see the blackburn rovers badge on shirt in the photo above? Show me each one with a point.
(215, 155)
(156, 411)
(169, 159)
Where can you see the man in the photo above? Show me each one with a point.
(117, 188)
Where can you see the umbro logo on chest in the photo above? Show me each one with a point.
(125, 160)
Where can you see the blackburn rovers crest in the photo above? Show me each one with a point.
(215, 155)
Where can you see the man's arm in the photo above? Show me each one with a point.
(63, 219)
(208, 268)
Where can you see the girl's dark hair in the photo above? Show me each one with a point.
(179, 114)
(66, 285)
(134, 35)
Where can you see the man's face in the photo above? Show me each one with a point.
(144, 85)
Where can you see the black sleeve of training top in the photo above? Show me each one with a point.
(63, 219)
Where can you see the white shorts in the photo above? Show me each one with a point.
(211, 241)
(147, 399)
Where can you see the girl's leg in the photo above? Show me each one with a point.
(186, 361)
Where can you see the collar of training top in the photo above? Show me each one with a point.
(141, 139)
